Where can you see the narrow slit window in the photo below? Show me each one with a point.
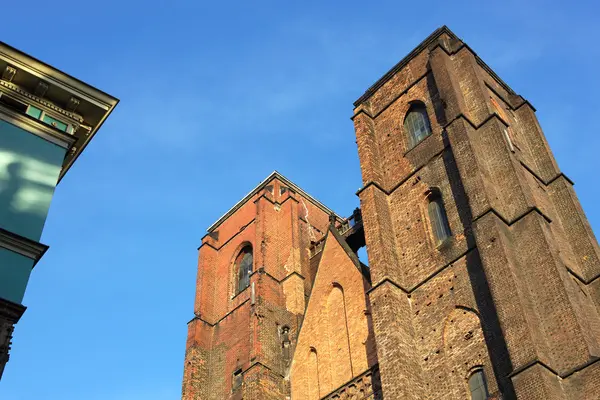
(509, 141)
(416, 125)
(438, 219)
(507, 131)
(478, 386)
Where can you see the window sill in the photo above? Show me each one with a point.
(444, 244)
(417, 145)
(240, 292)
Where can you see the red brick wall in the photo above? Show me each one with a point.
(230, 332)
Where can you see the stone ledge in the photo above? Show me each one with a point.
(22, 245)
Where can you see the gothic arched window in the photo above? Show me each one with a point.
(438, 218)
(477, 386)
(243, 264)
(416, 124)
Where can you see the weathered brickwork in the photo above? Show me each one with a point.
(514, 290)
(235, 345)
(336, 341)
(510, 292)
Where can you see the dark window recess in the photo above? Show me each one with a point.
(270, 188)
(13, 104)
(478, 386)
(438, 219)
(244, 263)
(238, 379)
(416, 125)
(282, 190)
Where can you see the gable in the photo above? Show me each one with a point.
(326, 355)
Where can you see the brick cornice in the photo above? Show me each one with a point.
(476, 126)
(363, 111)
(522, 103)
(437, 154)
(564, 375)
(389, 282)
(492, 211)
(525, 102)
(389, 103)
(199, 318)
(404, 180)
(258, 364)
(549, 181)
(404, 62)
(424, 281)
(262, 270)
(242, 228)
(581, 279)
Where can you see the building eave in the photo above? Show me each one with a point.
(55, 76)
(101, 101)
(68, 163)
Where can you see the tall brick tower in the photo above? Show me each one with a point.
(485, 271)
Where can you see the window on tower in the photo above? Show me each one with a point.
(508, 134)
(243, 263)
(237, 380)
(438, 218)
(416, 124)
(477, 386)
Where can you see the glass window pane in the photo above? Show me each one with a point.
(34, 112)
(477, 386)
(244, 265)
(55, 123)
(416, 125)
(438, 220)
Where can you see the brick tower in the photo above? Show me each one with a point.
(483, 278)
(484, 267)
(253, 277)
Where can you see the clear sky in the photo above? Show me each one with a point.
(214, 97)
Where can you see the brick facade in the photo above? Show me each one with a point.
(244, 332)
(513, 293)
(336, 342)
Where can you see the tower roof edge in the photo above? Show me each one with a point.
(273, 175)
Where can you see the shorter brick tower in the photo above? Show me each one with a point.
(254, 276)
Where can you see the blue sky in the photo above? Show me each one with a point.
(215, 96)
